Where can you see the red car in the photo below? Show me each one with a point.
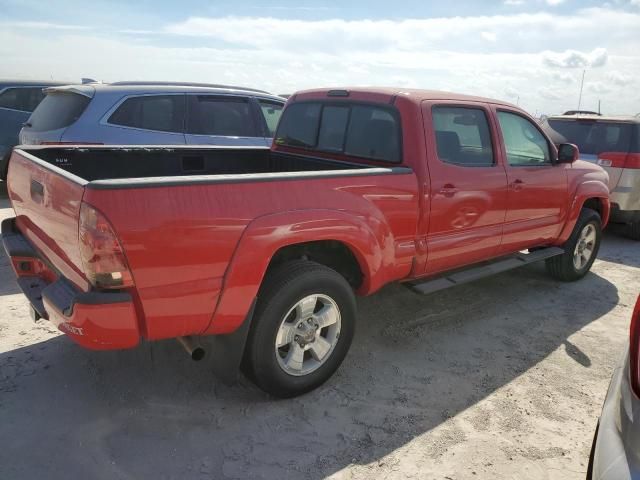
(263, 251)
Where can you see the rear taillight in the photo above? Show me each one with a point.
(104, 262)
(619, 160)
(612, 159)
(634, 349)
(633, 160)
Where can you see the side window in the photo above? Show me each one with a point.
(216, 115)
(463, 136)
(271, 112)
(9, 98)
(23, 99)
(524, 143)
(162, 113)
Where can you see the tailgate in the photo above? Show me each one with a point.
(46, 200)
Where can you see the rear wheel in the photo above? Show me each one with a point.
(580, 250)
(303, 327)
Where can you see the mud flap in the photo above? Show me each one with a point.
(226, 351)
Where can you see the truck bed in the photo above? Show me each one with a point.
(180, 213)
(96, 164)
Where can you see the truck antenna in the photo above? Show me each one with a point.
(581, 85)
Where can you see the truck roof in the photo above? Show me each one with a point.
(417, 95)
(596, 117)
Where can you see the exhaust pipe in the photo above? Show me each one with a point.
(195, 351)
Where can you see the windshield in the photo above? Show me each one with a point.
(592, 136)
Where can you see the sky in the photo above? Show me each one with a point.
(529, 52)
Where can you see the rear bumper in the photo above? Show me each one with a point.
(95, 320)
(626, 193)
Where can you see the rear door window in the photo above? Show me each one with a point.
(58, 110)
(163, 113)
(271, 111)
(463, 136)
(592, 136)
(25, 99)
(365, 131)
(220, 116)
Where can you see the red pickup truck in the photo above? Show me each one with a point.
(258, 253)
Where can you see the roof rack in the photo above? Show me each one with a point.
(186, 84)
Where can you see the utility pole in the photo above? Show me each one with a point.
(581, 85)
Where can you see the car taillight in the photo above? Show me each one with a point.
(633, 161)
(104, 262)
(619, 160)
(634, 349)
(612, 159)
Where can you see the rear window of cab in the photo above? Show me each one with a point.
(358, 130)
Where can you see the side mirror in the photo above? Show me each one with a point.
(567, 153)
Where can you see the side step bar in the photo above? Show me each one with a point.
(483, 270)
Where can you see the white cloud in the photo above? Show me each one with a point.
(283, 55)
(549, 93)
(619, 78)
(597, 87)
(489, 36)
(563, 77)
(576, 59)
(515, 2)
(553, 3)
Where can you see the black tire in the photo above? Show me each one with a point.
(282, 289)
(592, 453)
(633, 231)
(561, 266)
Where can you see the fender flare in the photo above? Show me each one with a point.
(585, 191)
(369, 239)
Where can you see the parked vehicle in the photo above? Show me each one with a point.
(615, 454)
(263, 250)
(154, 113)
(18, 98)
(613, 143)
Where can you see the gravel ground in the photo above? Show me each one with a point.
(499, 379)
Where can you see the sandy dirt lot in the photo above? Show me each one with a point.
(500, 379)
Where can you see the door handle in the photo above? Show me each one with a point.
(448, 190)
(517, 184)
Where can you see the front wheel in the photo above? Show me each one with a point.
(303, 326)
(580, 250)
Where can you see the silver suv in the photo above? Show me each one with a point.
(153, 113)
(614, 144)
